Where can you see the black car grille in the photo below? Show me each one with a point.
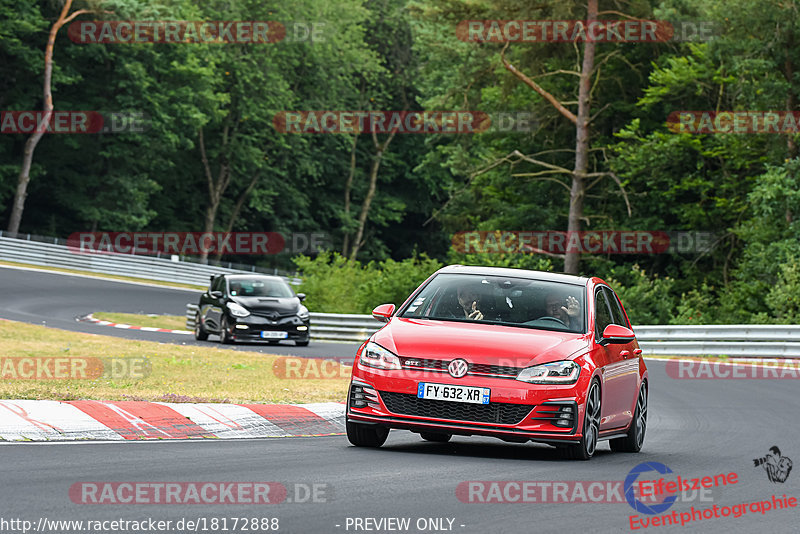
(497, 412)
(440, 365)
(474, 368)
(271, 314)
(494, 369)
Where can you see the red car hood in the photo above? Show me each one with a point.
(478, 343)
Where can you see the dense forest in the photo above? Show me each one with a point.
(602, 152)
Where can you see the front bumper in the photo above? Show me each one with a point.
(517, 411)
(250, 328)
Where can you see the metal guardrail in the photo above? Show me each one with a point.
(769, 341)
(145, 267)
(765, 341)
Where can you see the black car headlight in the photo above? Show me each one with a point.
(237, 310)
(303, 314)
(565, 372)
(374, 355)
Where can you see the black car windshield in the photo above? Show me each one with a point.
(259, 287)
(520, 302)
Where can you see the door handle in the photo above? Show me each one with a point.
(624, 353)
(637, 352)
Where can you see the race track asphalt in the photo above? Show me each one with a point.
(58, 300)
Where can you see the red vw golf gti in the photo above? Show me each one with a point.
(518, 355)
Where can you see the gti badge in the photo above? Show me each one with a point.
(458, 368)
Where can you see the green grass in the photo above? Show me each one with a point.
(177, 373)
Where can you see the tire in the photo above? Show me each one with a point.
(366, 435)
(224, 335)
(585, 448)
(435, 437)
(301, 343)
(200, 333)
(635, 439)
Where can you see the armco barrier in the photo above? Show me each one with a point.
(766, 341)
(146, 267)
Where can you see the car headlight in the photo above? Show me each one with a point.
(551, 373)
(237, 310)
(303, 314)
(374, 355)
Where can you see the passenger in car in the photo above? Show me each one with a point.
(567, 310)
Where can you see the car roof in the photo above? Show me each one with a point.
(251, 276)
(515, 273)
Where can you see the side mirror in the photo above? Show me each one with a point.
(215, 294)
(383, 312)
(301, 296)
(615, 334)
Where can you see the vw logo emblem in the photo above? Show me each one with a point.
(458, 368)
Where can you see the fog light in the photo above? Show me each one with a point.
(357, 397)
(302, 328)
(241, 326)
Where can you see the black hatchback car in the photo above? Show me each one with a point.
(245, 307)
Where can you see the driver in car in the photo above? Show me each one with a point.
(468, 301)
(566, 310)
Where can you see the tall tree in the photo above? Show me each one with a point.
(47, 96)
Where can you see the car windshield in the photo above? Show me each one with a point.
(259, 287)
(509, 301)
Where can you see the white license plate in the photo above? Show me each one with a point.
(274, 335)
(448, 392)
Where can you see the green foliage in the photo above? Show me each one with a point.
(336, 284)
(698, 306)
(784, 298)
(397, 54)
(647, 300)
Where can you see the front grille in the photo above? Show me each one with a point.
(497, 412)
(474, 368)
(275, 316)
(494, 369)
(426, 363)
